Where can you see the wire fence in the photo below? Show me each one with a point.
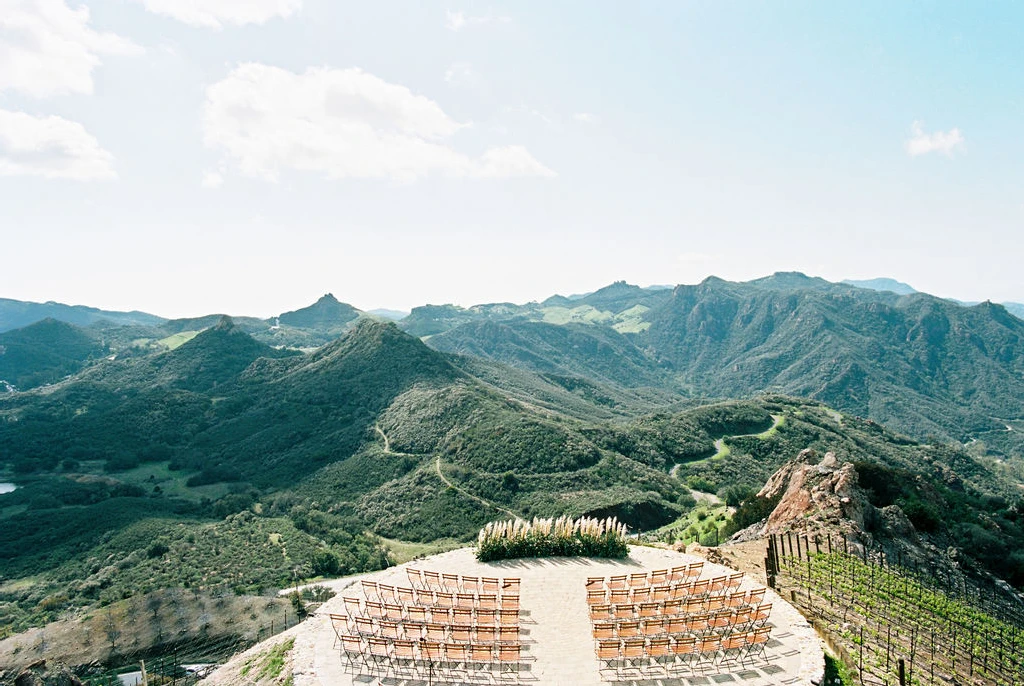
(897, 621)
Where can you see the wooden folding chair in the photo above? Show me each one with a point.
(470, 584)
(509, 658)
(444, 599)
(386, 593)
(370, 591)
(481, 656)
(710, 646)
(633, 652)
(628, 629)
(609, 653)
(405, 596)
(733, 647)
(673, 607)
(488, 601)
(432, 581)
(466, 600)
(415, 613)
(681, 591)
(380, 653)
(659, 577)
(756, 596)
(623, 611)
(699, 589)
(758, 640)
(595, 583)
(597, 597)
(487, 617)
(617, 582)
(659, 651)
(694, 571)
(511, 585)
(715, 603)
(461, 633)
(424, 597)
(685, 650)
(432, 652)
(393, 612)
(734, 581)
(375, 610)
(510, 602)
(675, 625)
(721, 621)
(760, 616)
(415, 577)
(693, 606)
(439, 615)
(352, 651)
(717, 585)
(661, 593)
(618, 596)
(736, 599)
(678, 573)
(604, 630)
(641, 595)
(352, 605)
(697, 624)
(600, 612)
(490, 584)
(340, 625)
(456, 656)
(637, 580)
(450, 582)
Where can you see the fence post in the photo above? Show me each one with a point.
(903, 675)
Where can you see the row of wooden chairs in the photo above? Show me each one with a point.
(657, 577)
(403, 657)
(670, 654)
(437, 615)
(689, 606)
(428, 631)
(457, 583)
(706, 588)
(401, 595)
(722, 622)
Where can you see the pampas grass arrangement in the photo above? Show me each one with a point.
(583, 537)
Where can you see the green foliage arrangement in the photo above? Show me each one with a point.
(562, 537)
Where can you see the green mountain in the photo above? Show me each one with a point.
(883, 284)
(15, 314)
(45, 352)
(325, 313)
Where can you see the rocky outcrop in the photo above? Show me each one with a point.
(38, 674)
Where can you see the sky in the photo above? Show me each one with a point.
(185, 157)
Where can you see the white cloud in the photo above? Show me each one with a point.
(456, 21)
(47, 48)
(213, 179)
(51, 147)
(585, 117)
(342, 123)
(215, 14)
(921, 143)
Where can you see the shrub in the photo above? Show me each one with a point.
(565, 537)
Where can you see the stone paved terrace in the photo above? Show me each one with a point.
(557, 630)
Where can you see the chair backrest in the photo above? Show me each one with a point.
(762, 612)
(510, 602)
(596, 596)
(661, 592)
(444, 599)
(352, 605)
(405, 596)
(721, 620)
(416, 613)
(697, 623)
(675, 625)
(352, 644)
(414, 576)
(633, 647)
(623, 611)
(715, 602)
(509, 653)
(393, 612)
(440, 615)
(604, 630)
(461, 633)
(618, 596)
(598, 612)
(654, 627)
(649, 610)
(470, 584)
(695, 570)
(462, 615)
(700, 588)
(658, 647)
(508, 617)
(629, 629)
(486, 634)
(465, 600)
(718, 584)
(487, 617)
(436, 632)
(710, 644)
(761, 635)
(607, 650)
(735, 580)
(685, 645)
(424, 596)
(432, 651)
(511, 585)
(451, 582)
(638, 580)
(490, 584)
(487, 601)
(389, 629)
(595, 582)
(375, 609)
(369, 589)
(641, 595)
(479, 652)
(734, 641)
(678, 573)
(509, 634)
(659, 577)
(456, 652)
(378, 646)
(618, 581)
(387, 592)
(737, 599)
(364, 626)
(673, 607)
(755, 596)
(432, 580)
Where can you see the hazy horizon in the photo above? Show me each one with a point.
(183, 157)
